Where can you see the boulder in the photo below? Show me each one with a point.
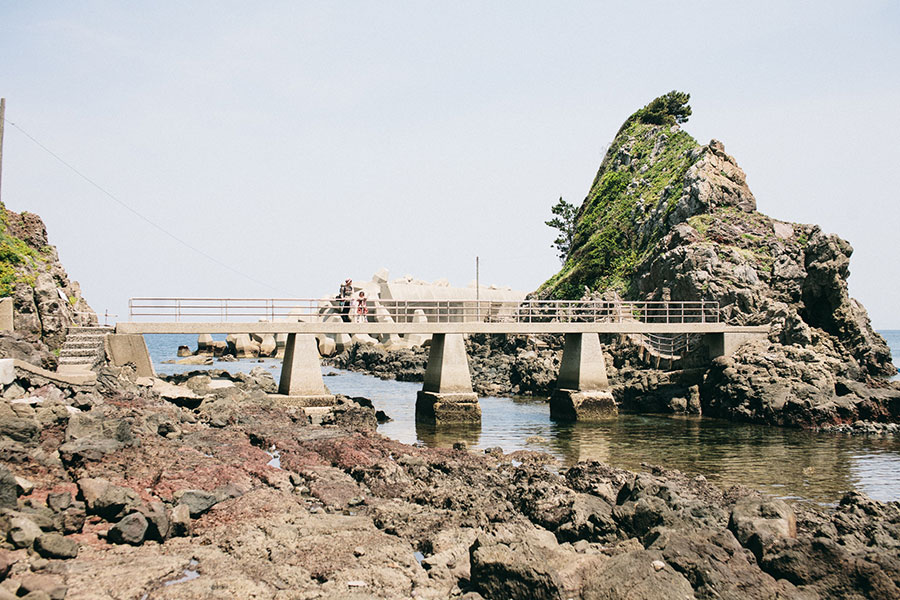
(37, 585)
(184, 351)
(636, 575)
(55, 545)
(197, 501)
(158, 522)
(130, 530)
(194, 360)
(22, 532)
(107, 500)
(758, 523)
(181, 521)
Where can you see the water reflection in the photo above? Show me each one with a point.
(444, 436)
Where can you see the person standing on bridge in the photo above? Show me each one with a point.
(362, 310)
(345, 294)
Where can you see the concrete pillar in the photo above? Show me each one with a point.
(447, 395)
(301, 374)
(582, 390)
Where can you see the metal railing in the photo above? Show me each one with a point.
(432, 311)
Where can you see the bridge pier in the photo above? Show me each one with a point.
(725, 343)
(447, 395)
(301, 373)
(582, 389)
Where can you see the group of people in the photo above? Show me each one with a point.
(353, 308)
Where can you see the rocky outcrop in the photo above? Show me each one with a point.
(670, 219)
(46, 302)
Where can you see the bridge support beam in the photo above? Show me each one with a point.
(725, 343)
(447, 395)
(301, 373)
(582, 390)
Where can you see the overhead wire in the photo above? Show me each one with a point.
(144, 218)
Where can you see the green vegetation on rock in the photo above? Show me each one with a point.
(626, 211)
(18, 260)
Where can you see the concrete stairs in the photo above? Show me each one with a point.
(83, 349)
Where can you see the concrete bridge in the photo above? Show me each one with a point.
(582, 391)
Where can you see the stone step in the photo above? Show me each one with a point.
(92, 344)
(78, 352)
(94, 330)
(76, 360)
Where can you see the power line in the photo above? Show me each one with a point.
(142, 217)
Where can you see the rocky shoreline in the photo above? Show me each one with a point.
(203, 486)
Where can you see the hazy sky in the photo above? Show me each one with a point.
(301, 143)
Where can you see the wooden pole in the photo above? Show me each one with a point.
(2, 121)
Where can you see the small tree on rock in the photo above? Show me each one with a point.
(564, 222)
(668, 109)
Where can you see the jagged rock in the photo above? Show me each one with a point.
(55, 545)
(158, 521)
(130, 530)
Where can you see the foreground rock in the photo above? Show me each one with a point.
(191, 504)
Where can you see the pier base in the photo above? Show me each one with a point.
(582, 390)
(301, 374)
(447, 395)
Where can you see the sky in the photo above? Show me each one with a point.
(273, 149)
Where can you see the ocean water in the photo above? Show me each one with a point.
(788, 463)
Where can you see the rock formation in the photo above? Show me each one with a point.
(669, 219)
(46, 302)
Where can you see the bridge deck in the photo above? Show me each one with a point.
(432, 328)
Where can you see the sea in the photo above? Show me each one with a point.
(797, 465)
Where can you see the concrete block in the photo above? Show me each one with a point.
(122, 349)
(7, 371)
(268, 346)
(7, 320)
(438, 408)
(326, 345)
(572, 405)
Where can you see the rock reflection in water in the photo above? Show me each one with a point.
(444, 436)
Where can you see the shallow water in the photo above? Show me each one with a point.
(788, 463)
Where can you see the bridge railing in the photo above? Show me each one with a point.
(433, 311)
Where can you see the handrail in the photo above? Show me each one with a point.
(432, 311)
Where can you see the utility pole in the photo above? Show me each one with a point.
(2, 121)
(477, 288)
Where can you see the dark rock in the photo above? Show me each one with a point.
(107, 500)
(19, 429)
(55, 545)
(158, 522)
(8, 488)
(636, 576)
(758, 523)
(180, 525)
(130, 530)
(196, 501)
(59, 501)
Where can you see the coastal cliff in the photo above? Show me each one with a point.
(667, 218)
(45, 300)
